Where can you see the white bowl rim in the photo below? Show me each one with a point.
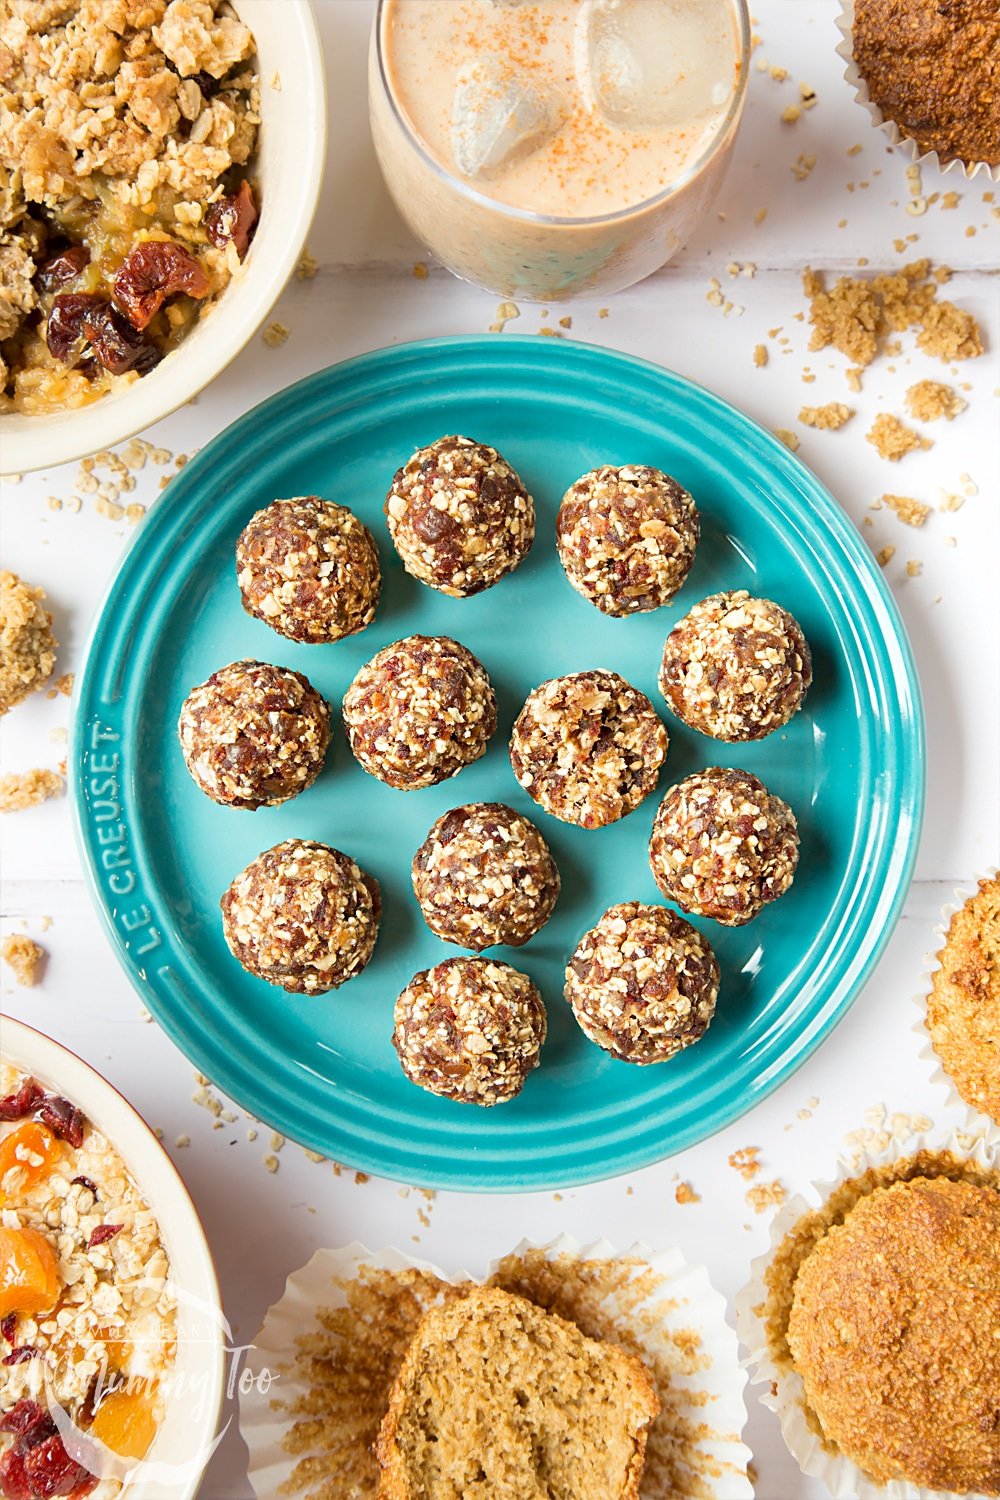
(31, 443)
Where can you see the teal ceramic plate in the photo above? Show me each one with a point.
(160, 854)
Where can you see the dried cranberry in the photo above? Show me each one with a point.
(13, 1478)
(64, 331)
(233, 219)
(51, 1471)
(118, 345)
(19, 1355)
(150, 273)
(102, 1233)
(29, 1422)
(8, 1327)
(85, 1182)
(62, 1118)
(15, 1106)
(63, 268)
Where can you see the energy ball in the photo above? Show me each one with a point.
(627, 537)
(419, 711)
(736, 668)
(484, 875)
(643, 983)
(460, 518)
(470, 1029)
(302, 916)
(722, 846)
(254, 735)
(588, 748)
(309, 569)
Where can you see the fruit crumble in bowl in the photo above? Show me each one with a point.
(111, 1333)
(148, 221)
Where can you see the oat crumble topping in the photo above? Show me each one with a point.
(27, 645)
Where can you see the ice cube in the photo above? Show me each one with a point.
(655, 64)
(497, 118)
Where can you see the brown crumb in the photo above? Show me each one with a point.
(826, 418)
(27, 645)
(685, 1193)
(914, 568)
(765, 1195)
(746, 1161)
(307, 266)
(420, 270)
(911, 512)
(25, 789)
(25, 957)
(790, 439)
(271, 1163)
(856, 313)
(760, 355)
(885, 555)
(791, 113)
(929, 400)
(275, 334)
(950, 333)
(892, 439)
(62, 687)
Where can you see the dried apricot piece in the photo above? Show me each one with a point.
(29, 1273)
(125, 1423)
(153, 271)
(31, 1149)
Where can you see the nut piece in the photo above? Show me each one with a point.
(588, 747)
(627, 538)
(27, 645)
(643, 983)
(722, 846)
(470, 1029)
(309, 569)
(484, 875)
(254, 735)
(419, 711)
(302, 916)
(736, 668)
(459, 516)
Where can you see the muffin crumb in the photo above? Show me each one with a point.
(930, 400)
(892, 439)
(911, 512)
(25, 957)
(27, 645)
(24, 789)
(826, 418)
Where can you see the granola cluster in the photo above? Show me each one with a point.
(459, 516)
(643, 983)
(309, 569)
(736, 668)
(27, 645)
(857, 314)
(470, 1029)
(627, 537)
(254, 735)
(588, 748)
(485, 875)
(302, 916)
(723, 846)
(420, 711)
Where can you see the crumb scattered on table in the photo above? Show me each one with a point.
(911, 512)
(24, 789)
(885, 555)
(790, 439)
(685, 1193)
(930, 400)
(760, 355)
(307, 266)
(892, 439)
(25, 957)
(826, 418)
(275, 334)
(765, 1195)
(746, 1161)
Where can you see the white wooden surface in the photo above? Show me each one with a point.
(265, 1225)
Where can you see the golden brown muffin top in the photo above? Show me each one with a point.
(895, 1330)
(933, 66)
(963, 1008)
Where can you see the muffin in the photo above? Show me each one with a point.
(963, 1007)
(254, 735)
(588, 747)
(309, 569)
(736, 668)
(643, 983)
(722, 846)
(459, 516)
(470, 1029)
(627, 537)
(302, 916)
(419, 711)
(484, 875)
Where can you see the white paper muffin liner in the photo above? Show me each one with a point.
(889, 128)
(684, 1301)
(976, 1122)
(783, 1390)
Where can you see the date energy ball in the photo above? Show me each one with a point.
(735, 667)
(722, 846)
(302, 916)
(459, 516)
(627, 537)
(484, 875)
(588, 747)
(419, 711)
(643, 983)
(254, 735)
(309, 569)
(470, 1029)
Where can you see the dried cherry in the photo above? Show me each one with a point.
(153, 271)
(8, 1327)
(62, 1117)
(84, 1182)
(233, 219)
(50, 1471)
(29, 1423)
(60, 269)
(101, 1233)
(18, 1356)
(118, 345)
(18, 1105)
(64, 331)
(13, 1478)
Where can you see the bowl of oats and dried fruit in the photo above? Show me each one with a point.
(147, 226)
(111, 1333)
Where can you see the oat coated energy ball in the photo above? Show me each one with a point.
(309, 569)
(419, 711)
(722, 846)
(643, 983)
(302, 916)
(588, 747)
(627, 537)
(254, 735)
(459, 516)
(484, 875)
(470, 1029)
(735, 667)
